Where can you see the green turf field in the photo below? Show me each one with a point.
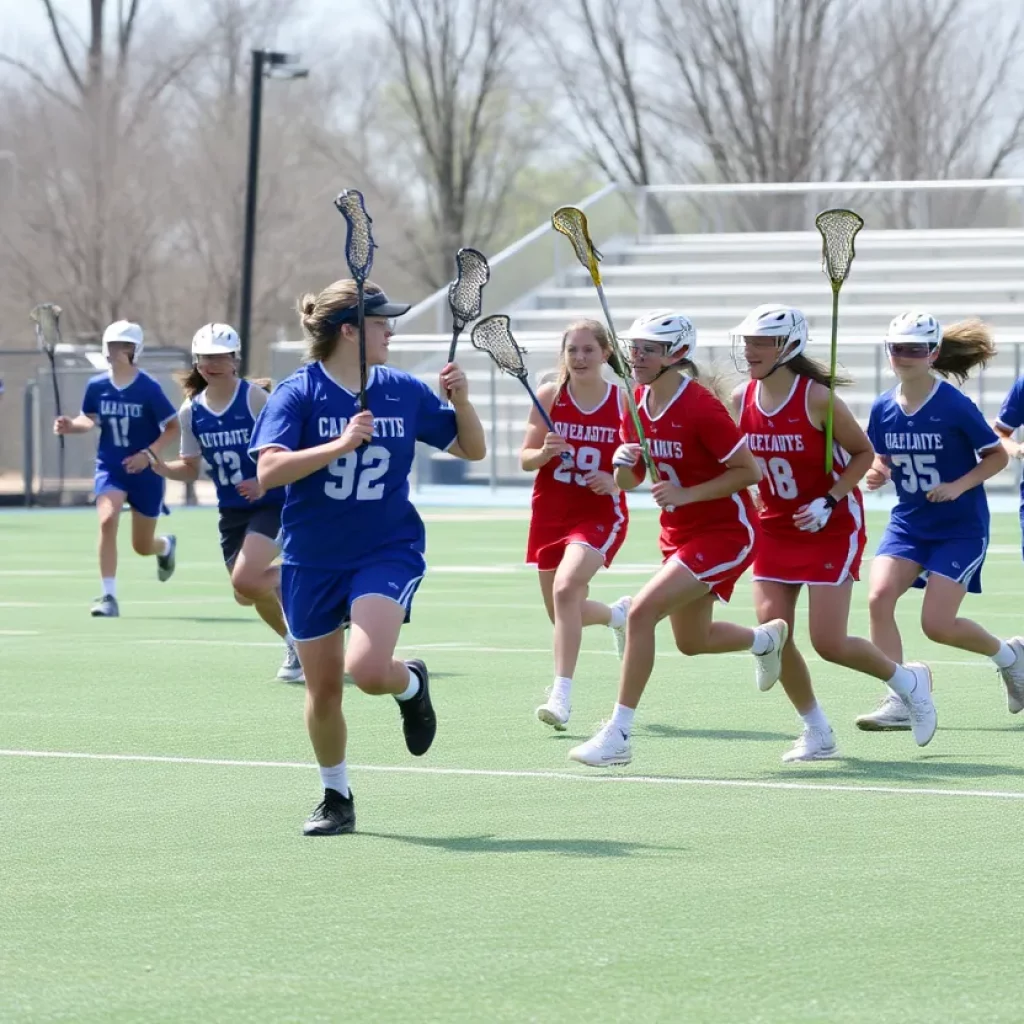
(165, 878)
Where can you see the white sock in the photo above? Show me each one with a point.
(815, 719)
(109, 586)
(560, 688)
(288, 638)
(763, 642)
(622, 719)
(335, 778)
(903, 681)
(1005, 656)
(166, 546)
(412, 688)
(618, 619)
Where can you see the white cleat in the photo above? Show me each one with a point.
(769, 664)
(1013, 677)
(555, 712)
(291, 668)
(891, 714)
(608, 747)
(619, 632)
(923, 719)
(813, 745)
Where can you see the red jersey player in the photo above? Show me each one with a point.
(579, 516)
(707, 523)
(812, 523)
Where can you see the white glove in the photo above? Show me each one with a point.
(626, 455)
(814, 516)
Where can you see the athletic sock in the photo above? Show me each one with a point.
(618, 619)
(335, 778)
(903, 681)
(815, 719)
(109, 586)
(1005, 656)
(762, 641)
(560, 688)
(412, 687)
(622, 719)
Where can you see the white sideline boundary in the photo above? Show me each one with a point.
(496, 773)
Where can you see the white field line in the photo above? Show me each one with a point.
(494, 773)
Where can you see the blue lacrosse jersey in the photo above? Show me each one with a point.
(1011, 416)
(223, 440)
(130, 418)
(939, 443)
(346, 515)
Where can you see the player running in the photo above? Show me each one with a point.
(812, 522)
(707, 524)
(935, 445)
(353, 544)
(579, 518)
(216, 420)
(136, 420)
(1011, 416)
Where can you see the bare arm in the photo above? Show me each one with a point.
(1013, 449)
(80, 424)
(741, 472)
(470, 443)
(848, 435)
(184, 469)
(993, 460)
(539, 447)
(277, 467)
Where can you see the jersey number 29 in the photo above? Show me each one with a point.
(359, 471)
(586, 461)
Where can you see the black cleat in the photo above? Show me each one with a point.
(418, 721)
(335, 815)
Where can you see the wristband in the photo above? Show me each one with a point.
(831, 500)
(151, 456)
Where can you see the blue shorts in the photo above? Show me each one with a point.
(145, 490)
(316, 602)
(959, 560)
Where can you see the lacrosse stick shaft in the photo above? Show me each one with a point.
(361, 316)
(456, 331)
(832, 384)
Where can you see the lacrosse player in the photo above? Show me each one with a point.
(1011, 416)
(707, 524)
(812, 522)
(579, 517)
(136, 420)
(216, 422)
(933, 443)
(353, 544)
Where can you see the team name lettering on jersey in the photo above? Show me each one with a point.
(383, 426)
(224, 438)
(114, 408)
(662, 449)
(587, 432)
(775, 442)
(914, 442)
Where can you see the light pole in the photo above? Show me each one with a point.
(265, 64)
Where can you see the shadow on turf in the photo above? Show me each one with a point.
(671, 732)
(494, 844)
(930, 767)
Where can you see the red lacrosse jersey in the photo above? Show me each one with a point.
(791, 452)
(560, 491)
(690, 440)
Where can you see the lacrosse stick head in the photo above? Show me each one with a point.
(493, 335)
(466, 292)
(572, 222)
(359, 243)
(46, 317)
(838, 229)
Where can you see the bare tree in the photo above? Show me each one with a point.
(457, 93)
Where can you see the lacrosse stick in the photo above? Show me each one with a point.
(359, 246)
(46, 318)
(572, 222)
(466, 292)
(493, 335)
(838, 229)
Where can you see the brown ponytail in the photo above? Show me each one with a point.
(804, 366)
(965, 345)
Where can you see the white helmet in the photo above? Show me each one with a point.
(216, 340)
(673, 330)
(910, 327)
(774, 321)
(123, 330)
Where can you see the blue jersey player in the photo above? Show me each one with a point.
(934, 444)
(135, 419)
(217, 419)
(353, 544)
(1011, 416)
